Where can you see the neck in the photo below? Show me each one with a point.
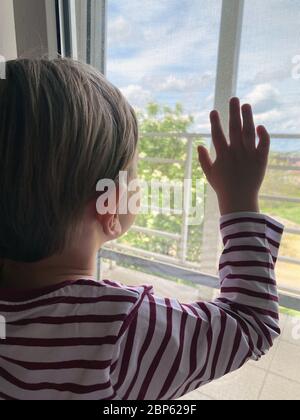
(77, 261)
(54, 270)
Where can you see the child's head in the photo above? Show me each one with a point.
(63, 127)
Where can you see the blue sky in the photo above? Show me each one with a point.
(166, 51)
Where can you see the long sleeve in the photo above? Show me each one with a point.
(169, 349)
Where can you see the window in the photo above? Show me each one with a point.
(163, 57)
(269, 50)
(166, 53)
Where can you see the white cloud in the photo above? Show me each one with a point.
(137, 96)
(173, 83)
(172, 50)
(285, 119)
(142, 11)
(269, 117)
(201, 124)
(120, 30)
(276, 72)
(161, 37)
(263, 98)
(271, 110)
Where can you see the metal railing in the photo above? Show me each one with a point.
(167, 269)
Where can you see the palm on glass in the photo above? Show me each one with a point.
(240, 166)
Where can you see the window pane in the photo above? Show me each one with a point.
(269, 79)
(270, 42)
(166, 52)
(163, 56)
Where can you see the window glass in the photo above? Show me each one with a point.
(163, 56)
(166, 52)
(269, 78)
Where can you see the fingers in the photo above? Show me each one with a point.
(264, 142)
(242, 133)
(249, 135)
(218, 137)
(205, 160)
(235, 123)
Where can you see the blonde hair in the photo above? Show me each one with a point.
(63, 127)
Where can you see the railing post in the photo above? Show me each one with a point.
(186, 199)
(226, 82)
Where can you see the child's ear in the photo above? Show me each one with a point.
(111, 226)
(108, 211)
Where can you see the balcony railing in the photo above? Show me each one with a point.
(163, 269)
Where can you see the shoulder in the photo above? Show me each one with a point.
(113, 295)
(110, 288)
(112, 298)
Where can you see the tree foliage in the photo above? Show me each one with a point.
(162, 132)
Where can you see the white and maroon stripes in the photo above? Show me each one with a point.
(60, 341)
(88, 340)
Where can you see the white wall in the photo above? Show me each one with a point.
(8, 47)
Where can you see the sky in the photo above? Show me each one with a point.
(166, 51)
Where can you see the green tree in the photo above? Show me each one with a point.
(161, 137)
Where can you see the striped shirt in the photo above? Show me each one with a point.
(104, 340)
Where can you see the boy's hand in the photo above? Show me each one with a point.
(240, 167)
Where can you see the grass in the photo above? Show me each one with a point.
(287, 184)
(287, 211)
(289, 312)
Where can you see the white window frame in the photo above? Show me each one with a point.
(8, 45)
(53, 29)
(24, 33)
(35, 33)
(98, 34)
(65, 33)
(226, 87)
(89, 42)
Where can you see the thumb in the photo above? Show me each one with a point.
(205, 160)
(264, 142)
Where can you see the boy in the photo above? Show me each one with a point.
(63, 127)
